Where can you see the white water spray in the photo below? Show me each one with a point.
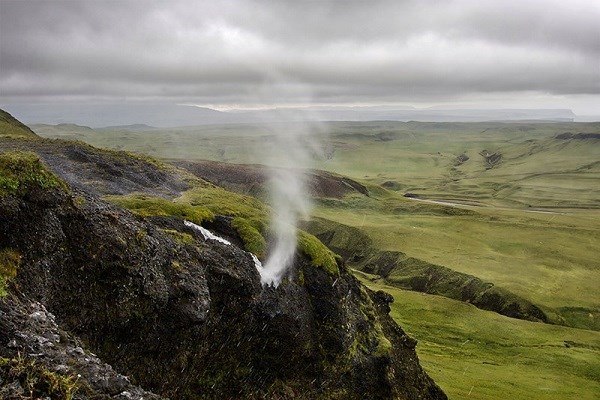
(293, 145)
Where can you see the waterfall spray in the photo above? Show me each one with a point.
(289, 202)
(292, 143)
(292, 148)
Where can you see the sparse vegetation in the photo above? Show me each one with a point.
(36, 380)
(179, 237)
(22, 171)
(9, 263)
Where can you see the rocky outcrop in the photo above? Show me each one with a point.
(492, 159)
(187, 320)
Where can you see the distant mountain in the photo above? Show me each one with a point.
(146, 116)
(132, 127)
(103, 115)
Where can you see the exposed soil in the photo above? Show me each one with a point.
(253, 179)
(578, 136)
(491, 159)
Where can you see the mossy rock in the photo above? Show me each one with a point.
(21, 171)
(254, 242)
(320, 256)
(250, 218)
(179, 237)
(149, 206)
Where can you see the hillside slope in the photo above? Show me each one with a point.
(11, 127)
(179, 315)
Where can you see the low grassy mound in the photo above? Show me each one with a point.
(249, 231)
(147, 206)
(22, 171)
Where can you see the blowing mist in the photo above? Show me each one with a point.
(291, 150)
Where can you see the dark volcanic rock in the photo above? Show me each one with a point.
(189, 321)
(28, 329)
(102, 171)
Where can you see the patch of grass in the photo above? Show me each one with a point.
(250, 215)
(548, 259)
(250, 221)
(22, 171)
(318, 253)
(146, 206)
(472, 353)
(254, 242)
(223, 202)
(36, 380)
(11, 127)
(179, 237)
(9, 263)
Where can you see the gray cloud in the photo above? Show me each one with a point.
(345, 51)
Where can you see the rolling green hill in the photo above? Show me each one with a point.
(11, 127)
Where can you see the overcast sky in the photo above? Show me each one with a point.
(478, 54)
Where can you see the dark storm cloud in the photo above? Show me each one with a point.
(345, 51)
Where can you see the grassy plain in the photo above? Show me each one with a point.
(477, 354)
(526, 218)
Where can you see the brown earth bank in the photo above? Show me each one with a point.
(102, 304)
(252, 179)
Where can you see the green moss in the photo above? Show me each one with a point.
(36, 380)
(254, 242)
(250, 219)
(9, 263)
(301, 278)
(223, 202)
(384, 346)
(22, 171)
(318, 253)
(179, 237)
(146, 206)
